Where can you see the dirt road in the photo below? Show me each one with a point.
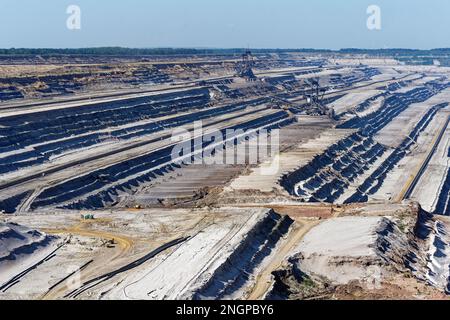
(264, 279)
(124, 245)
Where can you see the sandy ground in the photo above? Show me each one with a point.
(20, 70)
(265, 180)
(180, 272)
(21, 248)
(340, 249)
(351, 100)
(112, 240)
(394, 133)
(409, 166)
(265, 279)
(431, 182)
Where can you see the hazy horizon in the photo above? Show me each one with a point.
(281, 24)
(223, 48)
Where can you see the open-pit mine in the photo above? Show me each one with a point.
(350, 201)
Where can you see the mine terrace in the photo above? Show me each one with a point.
(357, 206)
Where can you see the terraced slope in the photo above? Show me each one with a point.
(328, 175)
(27, 140)
(102, 187)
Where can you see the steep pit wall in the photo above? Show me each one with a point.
(328, 175)
(102, 187)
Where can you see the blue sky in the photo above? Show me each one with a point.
(329, 24)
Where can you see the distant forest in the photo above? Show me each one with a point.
(119, 51)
